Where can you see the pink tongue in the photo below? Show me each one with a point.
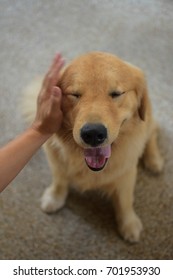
(96, 157)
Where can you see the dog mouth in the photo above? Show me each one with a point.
(97, 157)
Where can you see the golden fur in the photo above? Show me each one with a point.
(87, 84)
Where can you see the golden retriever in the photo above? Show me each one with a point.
(107, 127)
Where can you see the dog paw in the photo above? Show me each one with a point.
(154, 164)
(50, 202)
(130, 228)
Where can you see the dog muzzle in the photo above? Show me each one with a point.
(97, 157)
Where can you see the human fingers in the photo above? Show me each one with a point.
(56, 98)
(52, 76)
(56, 92)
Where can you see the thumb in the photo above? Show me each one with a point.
(57, 92)
(56, 98)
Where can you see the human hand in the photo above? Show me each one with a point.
(49, 114)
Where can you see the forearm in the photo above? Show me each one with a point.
(15, 155)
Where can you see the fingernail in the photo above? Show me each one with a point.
(62, 61)
(56, 91)
(57, 56)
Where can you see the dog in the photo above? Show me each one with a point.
(107, 127)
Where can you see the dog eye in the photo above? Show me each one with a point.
(76, 95)
(116, 94)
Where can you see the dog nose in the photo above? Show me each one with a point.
(93, 134)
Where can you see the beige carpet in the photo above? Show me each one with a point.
(30, 33)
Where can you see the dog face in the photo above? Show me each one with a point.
(100, 94)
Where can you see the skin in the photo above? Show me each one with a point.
(16, 154)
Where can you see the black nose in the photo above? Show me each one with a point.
(93, 134)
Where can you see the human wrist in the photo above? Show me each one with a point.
(38, 133)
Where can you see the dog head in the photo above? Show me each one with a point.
(100, 94)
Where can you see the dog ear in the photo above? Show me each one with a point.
(141, 92)
(142, 106)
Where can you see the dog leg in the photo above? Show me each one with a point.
(55, 195)
(152, 158)
(129, 224)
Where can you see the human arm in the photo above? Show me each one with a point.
(15, 155)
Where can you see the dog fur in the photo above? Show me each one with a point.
(87, 85)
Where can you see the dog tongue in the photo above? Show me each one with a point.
(96, 157)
